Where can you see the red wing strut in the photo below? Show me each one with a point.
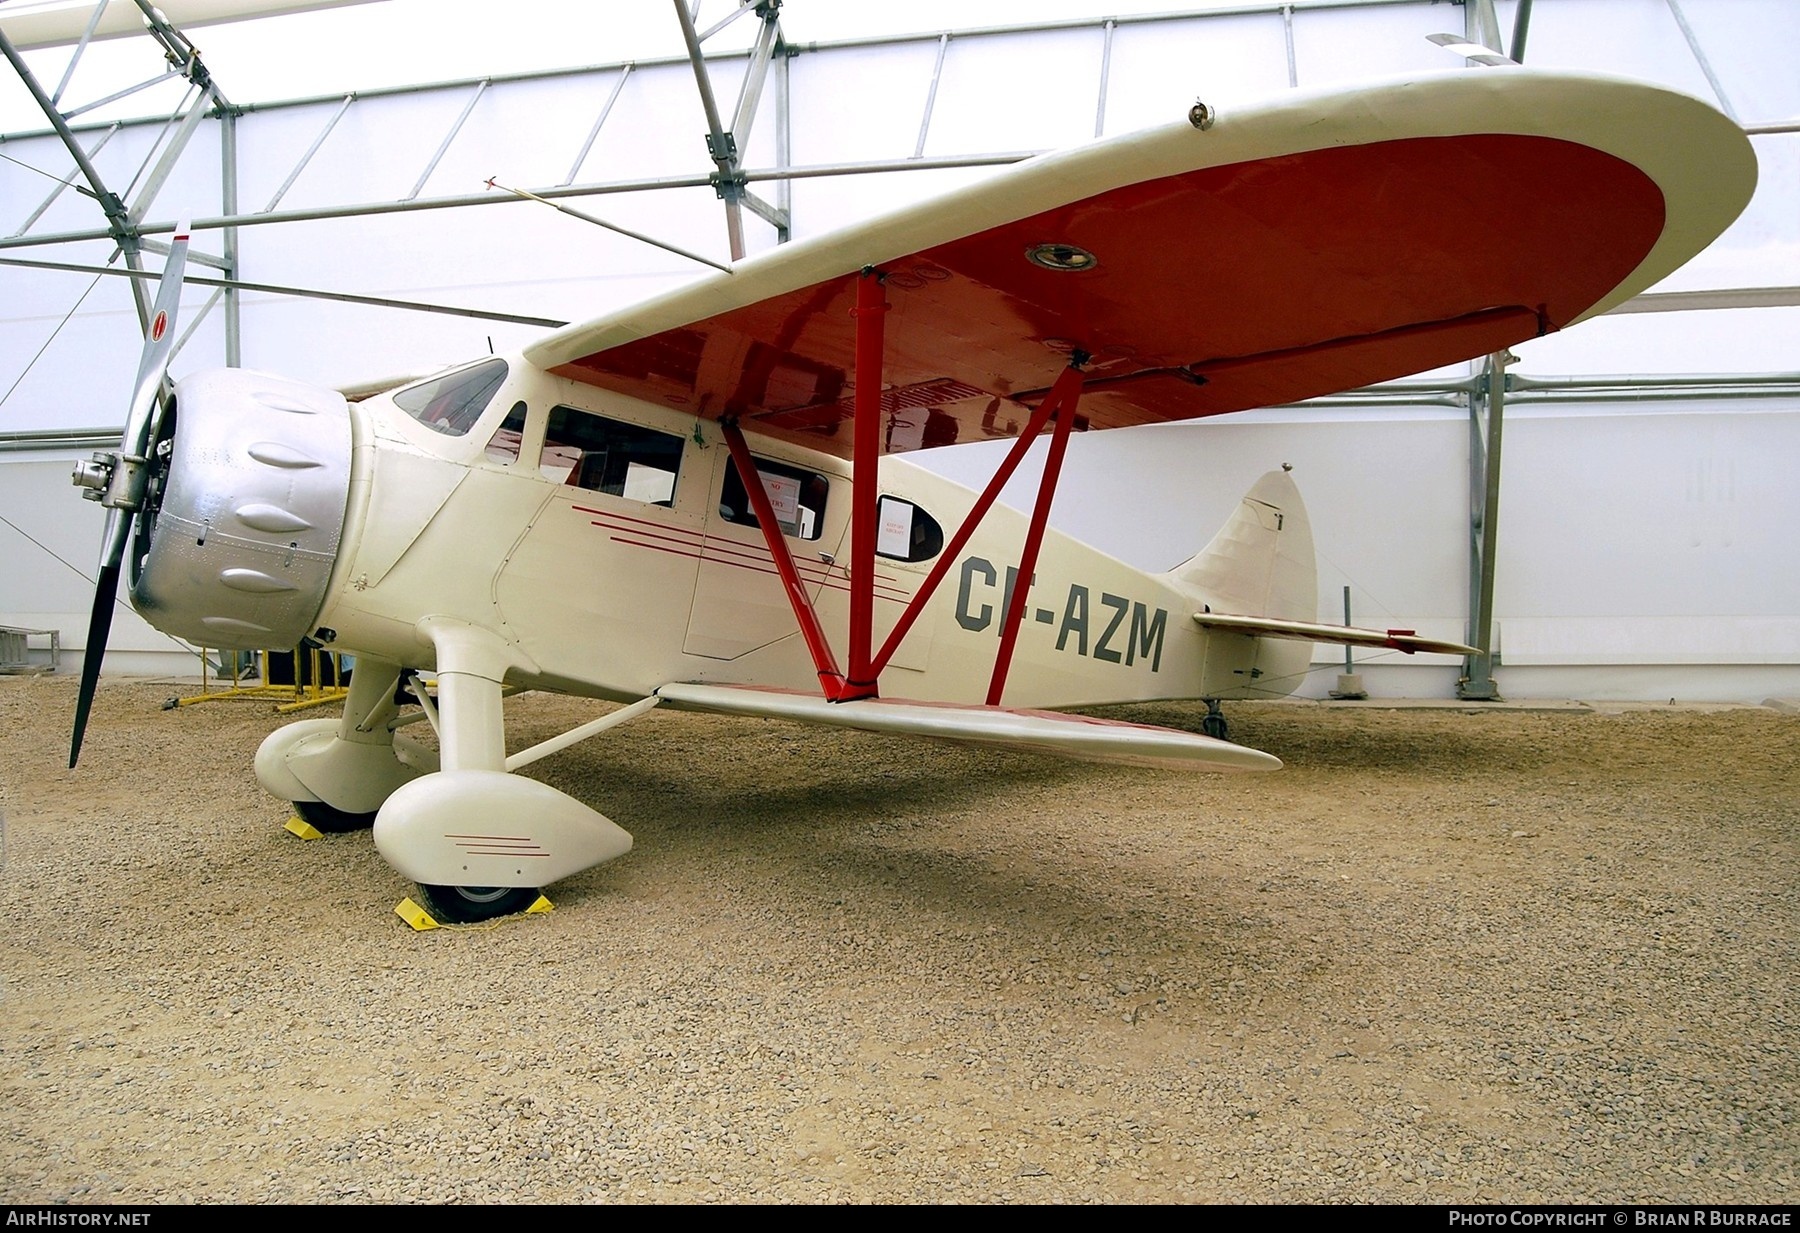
(863, 680)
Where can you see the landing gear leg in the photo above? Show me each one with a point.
(337, 772)
(368, 710)
(1214, 724)
(471, 727)
(478, 840)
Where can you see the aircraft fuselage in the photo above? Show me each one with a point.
(612, 577)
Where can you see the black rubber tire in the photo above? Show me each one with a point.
(470, 905)
(331, 821)
(1215, 727)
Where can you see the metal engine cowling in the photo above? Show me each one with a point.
(251, 477)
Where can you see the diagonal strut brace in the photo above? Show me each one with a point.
(1066, 389)
(1069, 386)
(863, 679)
(831, 679)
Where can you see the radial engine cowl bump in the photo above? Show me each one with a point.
(246, 522)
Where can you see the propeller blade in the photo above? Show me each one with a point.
(118, 533)
(106, 590)
(159, 342)
(125, 489)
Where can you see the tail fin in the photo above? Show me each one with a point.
(1260, 564)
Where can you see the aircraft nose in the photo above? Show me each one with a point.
(251, 481)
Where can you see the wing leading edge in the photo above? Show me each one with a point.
(1298, 247)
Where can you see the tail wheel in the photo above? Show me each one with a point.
(332, 821)
(470, 905)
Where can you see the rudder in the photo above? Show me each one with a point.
(1261, 563)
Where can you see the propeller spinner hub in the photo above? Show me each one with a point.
(114, 479)
(93, 475)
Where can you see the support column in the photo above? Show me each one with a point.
(721, 146)
(1477, 683)
(228, 176)
(1481, 25)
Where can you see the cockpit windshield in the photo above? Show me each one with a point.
(451, 403)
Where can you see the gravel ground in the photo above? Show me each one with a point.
(1441, 957)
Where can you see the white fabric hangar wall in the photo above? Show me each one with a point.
(1642, 556)
(1643, 550)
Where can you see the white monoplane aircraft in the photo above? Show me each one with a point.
(699, 502)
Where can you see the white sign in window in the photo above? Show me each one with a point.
(652, 485)
(893, 533)
(784, 496)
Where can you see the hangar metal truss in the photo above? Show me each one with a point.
(762, 95)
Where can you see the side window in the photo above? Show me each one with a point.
(798, 496)
(610, 456)
(503, 446)
(451, 403)
(905, 532)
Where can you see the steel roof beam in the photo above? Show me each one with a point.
(444, 146)
(309, 293)
(720, 146)
(66, 182)
(1712, 78)
(119, 227)
(308, 156)
(594, 133)
(580, 190)
(80, 46)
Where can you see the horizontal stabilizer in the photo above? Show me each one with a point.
(1343, 635)
(1047, 732)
